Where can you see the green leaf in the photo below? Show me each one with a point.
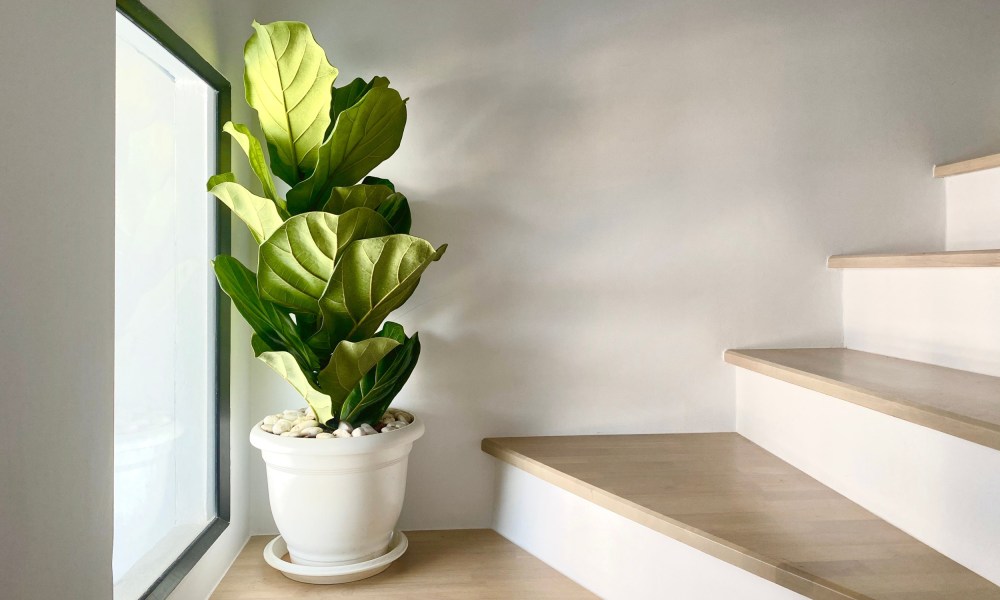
(259, 346)
(288, 80)
(364, 135)
(372, 278)
(297, 260)
(378, 181)
(349, 364)
(260, 214)
(396, 211)
(284, 364)
(274, 329)
(251, 147)
(215, 180)
(347, 96)
(343, 199)
(369, 400)
(391, 205)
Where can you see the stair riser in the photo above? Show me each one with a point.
(949, 317)
(614, 557)
(938, 488)
(973, 214)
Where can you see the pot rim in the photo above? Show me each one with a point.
(366, 444)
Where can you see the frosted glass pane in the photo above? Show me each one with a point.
(164, 310)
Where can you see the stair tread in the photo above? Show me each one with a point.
(729, 498)
(952, 258)
(967, 166)
(959, 403)
(460, 563)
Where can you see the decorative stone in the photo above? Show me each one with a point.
(303, 423)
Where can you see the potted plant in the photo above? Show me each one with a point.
(334, 259)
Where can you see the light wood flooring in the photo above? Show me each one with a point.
(464, 564)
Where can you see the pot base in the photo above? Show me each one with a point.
(276, 549)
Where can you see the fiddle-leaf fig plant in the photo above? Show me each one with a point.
(335, 256)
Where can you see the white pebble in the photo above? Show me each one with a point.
(266, 427)
(305, 423)
(291, 415)
(292, 434)
(271, 419)
(367, 429)
(282, 426)
(341, 433)
(308, 413)
(402, 415)
(358, 432)
(345, 426)
(324, 436)
(311, 431)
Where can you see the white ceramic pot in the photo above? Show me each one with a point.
(336, 501)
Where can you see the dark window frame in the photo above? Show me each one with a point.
(137, 13)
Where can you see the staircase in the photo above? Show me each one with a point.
(865, 472)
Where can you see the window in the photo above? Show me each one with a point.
(171, 326)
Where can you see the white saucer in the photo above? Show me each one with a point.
(276, 550)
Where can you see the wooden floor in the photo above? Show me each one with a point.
(464, 564)
(959, 403)
(921, 260)
(725, 496)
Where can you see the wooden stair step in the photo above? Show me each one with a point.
(727, 497)
(967, 166)
(462, 563)
(925, 260)
(959, 403)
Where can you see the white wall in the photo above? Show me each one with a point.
(57, 64)
(629, 188)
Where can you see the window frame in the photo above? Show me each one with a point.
(142, 17)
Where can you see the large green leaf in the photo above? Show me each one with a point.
(251, 147)
(288, 80)
(349, 364)
(369, 400)
(347, 96)
(273, 327)
(297, 260)
(260, 214)
(372, 278)
(380, 198)
(396, 211)
(343, 199)
(369, 180)
(364, 135)
(284, 364)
